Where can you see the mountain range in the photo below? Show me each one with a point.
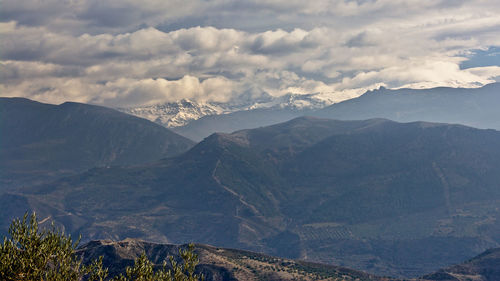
(474, 107)
(213, 117)
(397, 199)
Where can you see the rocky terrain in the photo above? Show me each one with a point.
(218, 264)
(223, 264)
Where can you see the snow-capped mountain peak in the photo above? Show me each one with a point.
(180, 113)
(175, 114)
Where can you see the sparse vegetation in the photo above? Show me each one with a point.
(31, 253)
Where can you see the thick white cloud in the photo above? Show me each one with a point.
(126, 53)
(128, 92)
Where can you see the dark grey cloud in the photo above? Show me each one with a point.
(359, 40)
(100, 13)
(31, 13)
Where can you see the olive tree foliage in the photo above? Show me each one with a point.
(30, 253)
(143, 269)
(33, 254)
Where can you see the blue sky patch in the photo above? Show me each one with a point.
(490, 57)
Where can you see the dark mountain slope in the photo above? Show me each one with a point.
(400, 168)
(40, 141)
(245, 119)
(394, 199)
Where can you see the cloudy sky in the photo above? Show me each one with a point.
(127, 52)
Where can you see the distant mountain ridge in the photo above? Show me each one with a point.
(46, 141)
(398, 199)
(181, 113)
(476, 107)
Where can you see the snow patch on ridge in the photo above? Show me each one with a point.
(180, 113)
